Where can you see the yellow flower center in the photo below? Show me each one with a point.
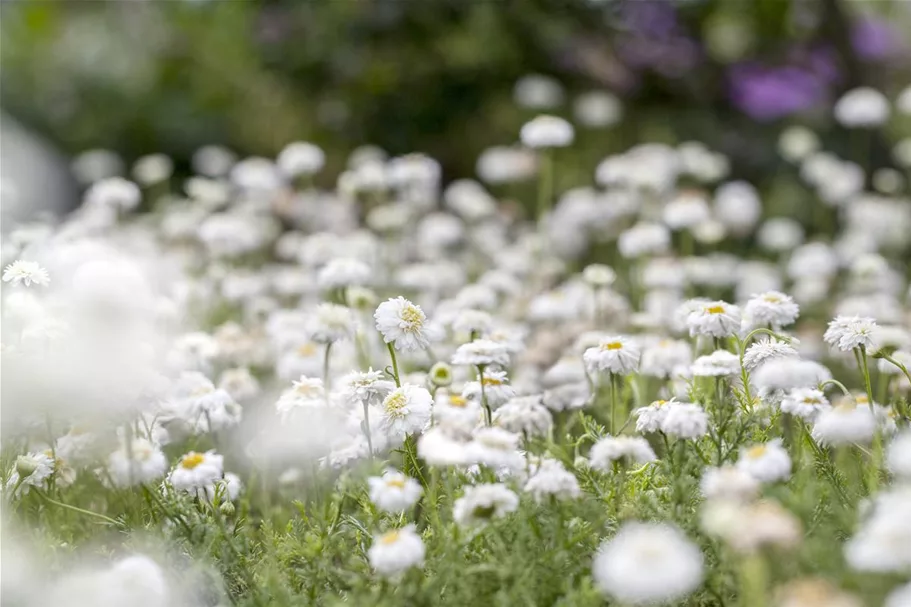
(811, 400)
(389, 538)
(491, 381)
(862, 399)
(394, 403)
(846, 407)
(756, 451)
(395, 482)
(772, 298)
(613, 345)
(307, 349)
(191, 460)
(413, 317)
(457, 401)
(714, 309)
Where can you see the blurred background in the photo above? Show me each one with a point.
(449, 78)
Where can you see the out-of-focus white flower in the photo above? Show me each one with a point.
(845, 424)
(153, 168)
(484, 502)
(719, 363)
(552, 479)
(648, 563)
(898, 455)
(883, 541)
(729, 482)
(862, 107)
(526, 416)
(481, 352)
(394, 552)
(538, 92)
(598, 109)
(300, 159)
(628, 449)
(648, 419)
(495, 448)
(805, 403)
(547, 132)
(767, 462)
(394, 492)
(737, 206)
(797, 142)
(142, 461)
(644, 238)
(344, 272)
(664, 357)
(114, 193)
(196, 471)
(684, 420)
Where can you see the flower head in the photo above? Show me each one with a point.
(27, 273)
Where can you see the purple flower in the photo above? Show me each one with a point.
(767, 93)
(874, 39)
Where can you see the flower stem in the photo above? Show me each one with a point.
(106, 519)
(488, 414)
(367, 429)
(326, 368)
(613, 403)
(395, 365)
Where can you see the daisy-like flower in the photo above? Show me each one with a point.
(406, 410)
(196, 471)
(685, 420)
(849, 332)
(330, 322)
(524, 415)
(443, 445)
(760, 352)
(343, 272)
(307, 392)
(27, 273)
(369, 387)
(881, 544)
(404, 325)
(664, 357)
(30, 470)
(484, 502)
(772, 308)
(481, 352)
(719, 363)
(768, 462)
(143, 462)
(496, 389)
(599, 275)
(729, 482)
(845, 424)
(394, 492)
(495, 448)
(898, 455)
(613, 354)
(714, 319)
(648, 563)
(629, 449)
(394, 552)
(649, 418)
(552, 479)
(805, 403)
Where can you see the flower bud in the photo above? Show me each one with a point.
(441, 375)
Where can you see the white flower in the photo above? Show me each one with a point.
(686, 210)
(227, 489)
(330, 322)
(197, 471)
(898, 455)
(403, 324)
(771, 308)
(547, 132)
(300, 158)
(552, 479)
(344, 272)
(496, 389)
(805, 403)
(685, 420)
(768, 462)
(644, 238)
(481, 352)
(648, 563)
(143, 462)
(719, 363)
(369, 387)
(648, 419)
(152, 169)
(714, 319)
(524, 415)
(782, 374)
(394, 492)
(597, 109)
(442, 445)
(307, 392)
(406, 410)
(629, 449)
(737, 206)
(495, 448)
(749, 527)
(661, 359)
(729, 482)
(396, 551)
(114, 193)
(862, 107)
(27, 273)
(797, 142)
(849, 332)
(599, 275)
(883, 542)
(239, 383)
(30, 470)
(845, 424)
(484, 502)
(760, 352)
(613, 354)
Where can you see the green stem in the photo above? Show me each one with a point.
(545, 185)
(753, 580)
(106, 519)
(613, 403)
(367, 429)
(395, 365)
(326, 369)
(488, 414)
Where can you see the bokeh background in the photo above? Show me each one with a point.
(440, 76)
